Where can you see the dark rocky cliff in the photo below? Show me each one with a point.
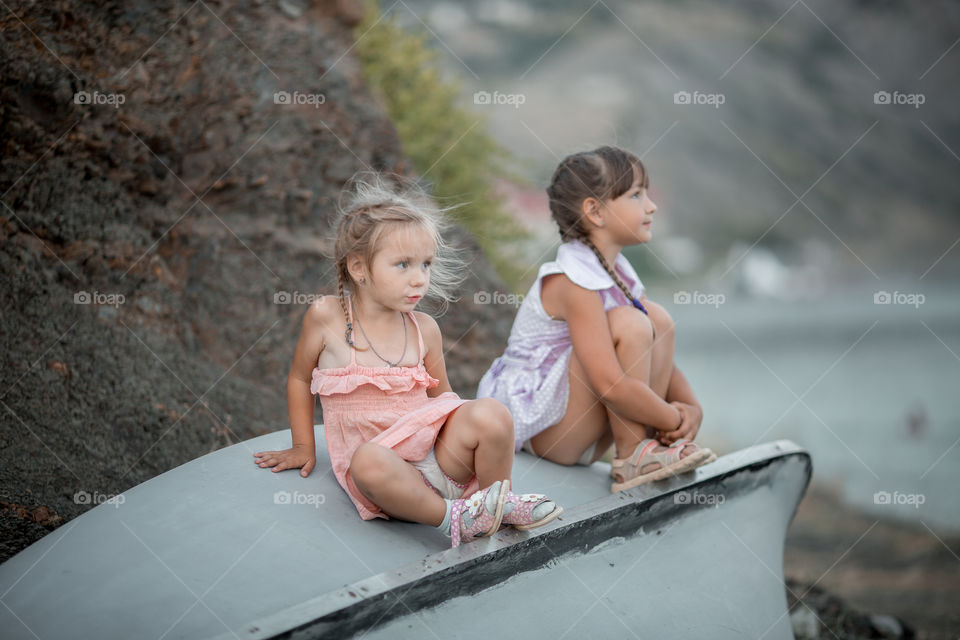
(143, 243)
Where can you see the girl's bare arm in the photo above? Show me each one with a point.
(593, 345)
(300, 402)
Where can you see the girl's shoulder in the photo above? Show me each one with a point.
(324, 326)
(580, 266)
(429, 328)
(324, 314)
(325, 307)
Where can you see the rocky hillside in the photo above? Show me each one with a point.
(155, 199)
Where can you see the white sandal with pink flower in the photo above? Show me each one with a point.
(479, 515)
(529, 510)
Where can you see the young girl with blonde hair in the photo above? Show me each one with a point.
(401, 443)
(589, 360)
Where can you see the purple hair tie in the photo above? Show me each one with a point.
(639, 305)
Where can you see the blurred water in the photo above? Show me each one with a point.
(799, 118)
(863, 373)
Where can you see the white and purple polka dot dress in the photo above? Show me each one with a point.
(531, 377)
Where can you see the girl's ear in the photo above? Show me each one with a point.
(590, 209)
(356, 267)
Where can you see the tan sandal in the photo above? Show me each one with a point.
(627, 472)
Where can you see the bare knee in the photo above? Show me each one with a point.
(369, 465)
(629, 325)
(660, 318)
(490, 419)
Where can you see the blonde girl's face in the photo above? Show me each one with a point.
(629, 218)
(399, 272)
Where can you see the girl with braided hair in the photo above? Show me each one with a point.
(401, 443)
(589, 361)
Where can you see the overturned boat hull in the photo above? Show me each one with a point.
(218, 548)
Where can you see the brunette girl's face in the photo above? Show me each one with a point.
(628, 218)
(399, 273)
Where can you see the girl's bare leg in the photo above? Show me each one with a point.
(587, 420)
(394, 485)
(661, 360)
(582, 425)
(643, 354)
(477, 439)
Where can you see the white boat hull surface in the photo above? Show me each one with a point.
(218, 548)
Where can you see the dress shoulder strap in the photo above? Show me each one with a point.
(416, 324)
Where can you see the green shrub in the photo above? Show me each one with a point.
(448, 144)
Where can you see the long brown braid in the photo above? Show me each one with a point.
(342, 275)
(604, 174)
(603, 263)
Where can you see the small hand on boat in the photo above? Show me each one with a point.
(298, 456)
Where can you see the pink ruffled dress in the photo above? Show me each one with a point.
(385, 405)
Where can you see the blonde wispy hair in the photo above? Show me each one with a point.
(376, 204)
